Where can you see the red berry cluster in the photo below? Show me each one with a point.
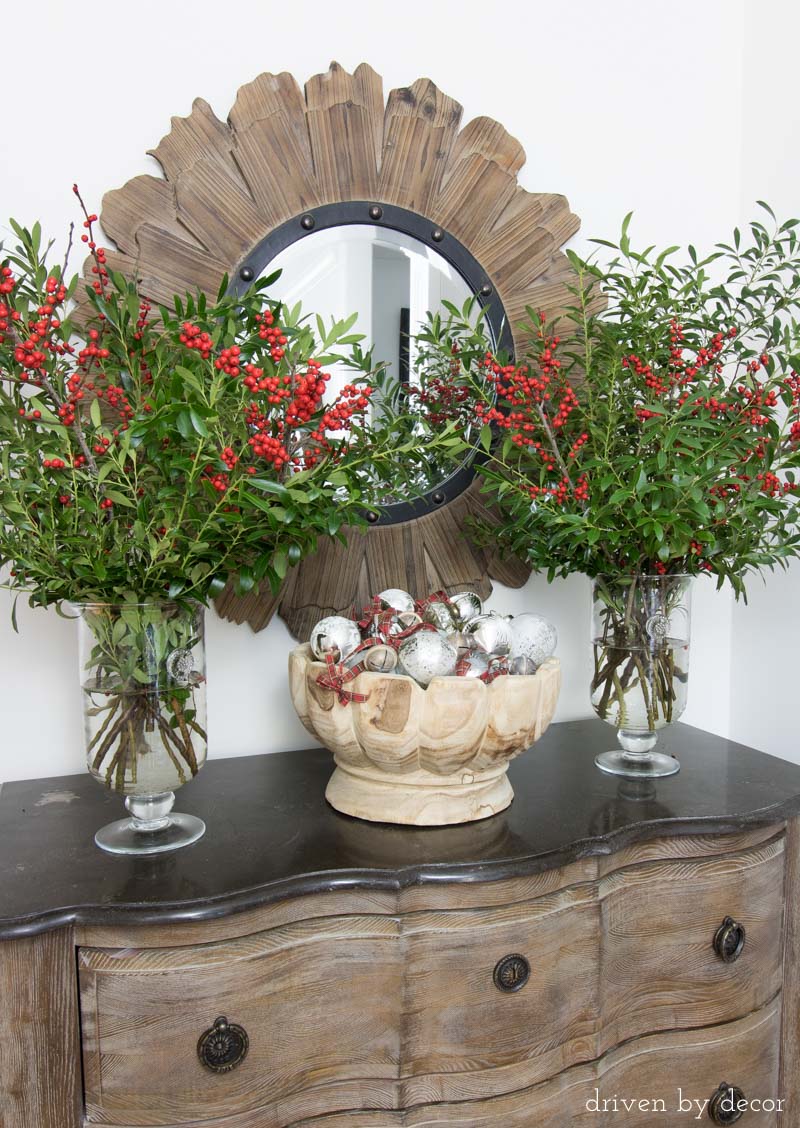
(228, 361)
(195, 338)
(229, 457)
(272, 333)
(270, 448)
(141, 322)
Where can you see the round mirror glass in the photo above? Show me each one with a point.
(395, 284)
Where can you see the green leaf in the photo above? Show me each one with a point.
(280, 562)
(184, 424)
(198, 423)
(94, 412)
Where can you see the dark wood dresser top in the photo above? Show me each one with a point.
(271, 835)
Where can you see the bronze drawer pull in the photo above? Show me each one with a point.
(729, 940)
(723, 1106)
(223, 1047)
(512, 973)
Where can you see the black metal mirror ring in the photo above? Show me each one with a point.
(223, 1046)
(724, 1106)
(729, 940)
(511, 973)
(410, 223)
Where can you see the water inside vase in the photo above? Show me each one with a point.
(146, 741)
(647, 687)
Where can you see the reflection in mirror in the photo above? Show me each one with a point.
(413, 307)
(392, 280)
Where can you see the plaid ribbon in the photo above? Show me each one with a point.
(396, 640)
(371, 613)
(496, 668)
(435, 597)
(337, 676)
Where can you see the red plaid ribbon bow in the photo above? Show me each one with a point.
(434, 597)
(337, 677)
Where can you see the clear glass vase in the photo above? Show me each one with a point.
(640, 634)
(143, 683)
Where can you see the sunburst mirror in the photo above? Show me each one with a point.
(388, 207)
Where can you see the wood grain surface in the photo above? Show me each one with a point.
(401, 1010)
(284, 151)
(40, 1079)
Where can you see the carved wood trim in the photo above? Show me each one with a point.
(282, 151)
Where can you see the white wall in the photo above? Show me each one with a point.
(766, 631)
(620, 105)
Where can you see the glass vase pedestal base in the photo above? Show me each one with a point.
(648, 765)
(153, 827)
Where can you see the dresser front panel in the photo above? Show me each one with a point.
(396, 1011)
(319, 1002)
(684, 1066)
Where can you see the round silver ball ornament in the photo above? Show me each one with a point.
(427, 655)
(440, 615)
(491, 634)
(521, 664)
(533, 636)
(408, 619)
(463, 642)
(334, 635)
(466, 605)
(397, 599)
(380, 659)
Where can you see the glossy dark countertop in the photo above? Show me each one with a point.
(270, 833)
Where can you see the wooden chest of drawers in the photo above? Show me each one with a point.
(642, 973)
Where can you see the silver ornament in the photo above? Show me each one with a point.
(491, 634)
(334, 635)
(521, 664)
(464, 643)
(533, 636)
(427, 655)
(180, 667)
(382, 626)
(380, 659)
(467, 605)
(439, 613)
(397, 599)
(475, 665)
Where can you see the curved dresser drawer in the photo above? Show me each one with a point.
(295, 991)
(664, 1079)
(372, 1011)
(629, 954)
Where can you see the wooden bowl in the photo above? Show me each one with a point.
(424, 757)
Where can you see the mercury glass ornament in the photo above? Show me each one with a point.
(475, 665)
(491, 634)
(380, 627)
(462, 641)
(334, 635)
(467, 605)
(397, 599)
(521, 664)
(439, 613)
(427, 655)
(533, 636)
(380, 659)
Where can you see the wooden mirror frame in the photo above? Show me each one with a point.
(284, 152)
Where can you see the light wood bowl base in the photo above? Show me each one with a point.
(419, 798)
